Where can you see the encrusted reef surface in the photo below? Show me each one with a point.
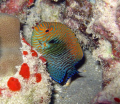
(96, 25)
(105, 24)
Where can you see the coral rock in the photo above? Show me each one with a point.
(12, 6)
(77, 13)
(106, 25)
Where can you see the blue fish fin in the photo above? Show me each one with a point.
(56, 74)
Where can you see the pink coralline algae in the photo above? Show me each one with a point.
(107, 24)
(77, 16)
(110, 36)
(14, 7)
(77, 13)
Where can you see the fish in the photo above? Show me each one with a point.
(60, 47)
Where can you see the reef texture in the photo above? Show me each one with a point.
(78, 15)
(12, 6)
(105, 23)
(96, 24)
(10, 55)
(16, 7)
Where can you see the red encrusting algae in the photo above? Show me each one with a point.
(1, 90)
(34, 53)
(24, 71)
(43, 59)
(41, 101)
(38, 77)
(14, 84)
(30, 3)
(25, 53)
(23, 39)
(117, 100)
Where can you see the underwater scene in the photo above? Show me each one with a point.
(59, 52)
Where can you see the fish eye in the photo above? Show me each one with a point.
(47, 30)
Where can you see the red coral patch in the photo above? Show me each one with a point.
(117, 100)
(43, 59)
(25, 53)
(14, 84)
(26, 42)
(24, 71)
(38, 77)
(34, 53)
(30, 2)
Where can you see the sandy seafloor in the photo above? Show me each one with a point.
(83, 89)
